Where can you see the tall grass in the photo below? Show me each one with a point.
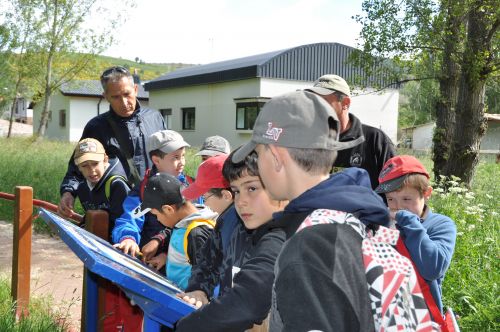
(42, 317)
(42, 166)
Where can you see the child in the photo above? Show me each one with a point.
(132, 231)
(214, 146)
(217, 196)
(248, 269)
(429, 237)
(106, 185)
(190, 227)
(320, 281)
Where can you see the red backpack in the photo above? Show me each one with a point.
(396, 298)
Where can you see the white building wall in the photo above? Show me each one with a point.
(422, 136)
(82, 110)
(215, 109)
(54, 131)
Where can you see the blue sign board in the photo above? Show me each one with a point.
(147, 288)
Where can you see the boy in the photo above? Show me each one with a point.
(320, 281)
(248, 268)
(429, 237)
(190, 227)
(105, 186)
(214, 146)
(132, 231)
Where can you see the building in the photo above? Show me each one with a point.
(225, 97)
(73, 105)
(420, 137)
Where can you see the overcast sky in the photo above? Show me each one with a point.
(204, 31)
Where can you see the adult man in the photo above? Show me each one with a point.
(376, 149)
(122, 130)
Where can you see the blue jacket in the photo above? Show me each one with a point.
(138, 127)
(430, 242)
(97, 199)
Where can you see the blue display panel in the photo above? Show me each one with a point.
(145, 286)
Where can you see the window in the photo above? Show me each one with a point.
(188, 118)
(167, 116)
(247, 111)
(62, 118)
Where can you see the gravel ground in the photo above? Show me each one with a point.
(18, 129)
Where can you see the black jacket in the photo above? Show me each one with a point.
(138, 127)
(248, 301)
(97, 199)
(369, 155)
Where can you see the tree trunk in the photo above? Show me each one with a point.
(448, 86)
(470, 125)
(11, 118)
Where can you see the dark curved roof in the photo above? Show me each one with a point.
(92, 88)
(302, 63)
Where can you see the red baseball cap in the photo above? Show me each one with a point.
(395, 171)
(209, 176)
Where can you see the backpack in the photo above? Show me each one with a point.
(109, 181)
(195, 223)
(397, 302)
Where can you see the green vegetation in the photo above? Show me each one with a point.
(471, 286)
(42, 317)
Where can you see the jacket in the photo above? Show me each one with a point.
(370, 155)
(320, 281)
(97, 198)
(430, 242)
(245, 299)
(138, 127)
(178, 260)
(207, 273)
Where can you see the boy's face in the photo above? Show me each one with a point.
(264, 163)
(93, 170)
(217, 203)
(172, 163)
(165, 217)
(408, 199)
(252, 201)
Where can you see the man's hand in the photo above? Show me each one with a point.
(149, 249)
(128, 246)
(196, 298)
(158, 261)
(66, 204)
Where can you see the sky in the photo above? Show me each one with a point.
(204, 31)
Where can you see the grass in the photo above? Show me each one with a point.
(471, 285)
(42, 317)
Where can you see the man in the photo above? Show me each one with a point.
(122, 130)
(376, 149)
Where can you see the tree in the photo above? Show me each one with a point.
(453, 42)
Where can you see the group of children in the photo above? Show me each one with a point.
(229, 238)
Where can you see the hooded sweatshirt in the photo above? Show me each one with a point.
(320, 281)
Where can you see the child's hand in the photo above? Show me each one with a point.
(128, 246)
(158, 261)
(65, 207)
(149, 249)
(196, 298)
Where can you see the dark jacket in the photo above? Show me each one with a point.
(208, 271)
(248, 301)
(137, 128)
(369, 155)
(320, 281)
(96, 199)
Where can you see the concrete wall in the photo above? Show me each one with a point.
(422, 136)
(54, 131)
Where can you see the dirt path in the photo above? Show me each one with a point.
(55, 271)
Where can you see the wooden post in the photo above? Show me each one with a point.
(93, 298)
(21, 260)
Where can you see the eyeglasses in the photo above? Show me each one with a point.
(115, 69)
(206, 197)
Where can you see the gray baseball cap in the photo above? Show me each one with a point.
(166, 141)
(299, 119)
(214, 146)
(328, 84)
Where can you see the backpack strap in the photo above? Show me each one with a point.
(109, 181)
(134, 177)
(191, 226)
(426, 290)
